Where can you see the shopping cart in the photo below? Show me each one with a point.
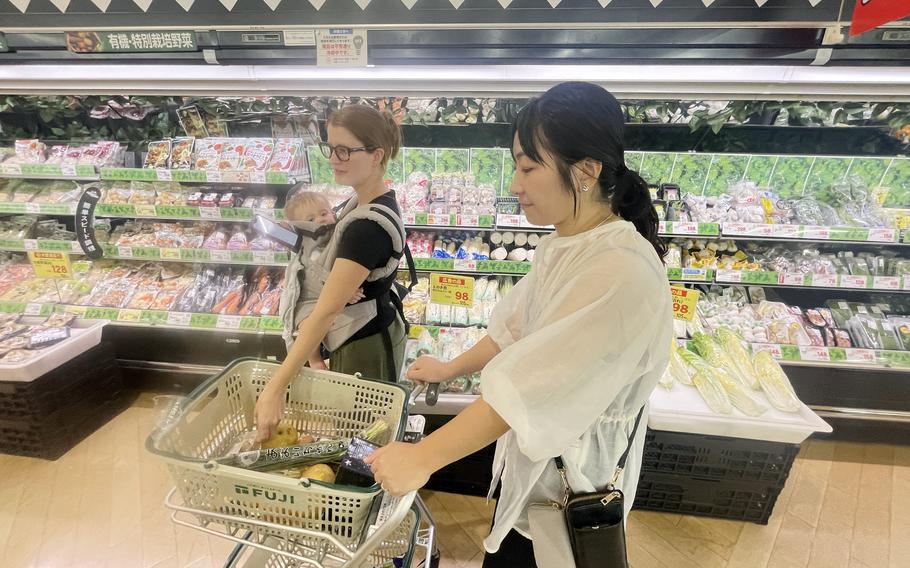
(277, 521)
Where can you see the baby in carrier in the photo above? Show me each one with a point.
(312, 215)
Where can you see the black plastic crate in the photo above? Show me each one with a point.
(742, 501)
(718, 457)
(46, 417)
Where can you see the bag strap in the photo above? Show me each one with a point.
(412, 270)
(620, 465)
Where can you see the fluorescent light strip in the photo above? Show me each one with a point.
(679, 81)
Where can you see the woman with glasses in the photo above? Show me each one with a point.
(361, 141)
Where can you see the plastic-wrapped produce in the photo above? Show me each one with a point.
(774, 383)
(712, 391)
(716, 357)
(738, 354)
(739, 396)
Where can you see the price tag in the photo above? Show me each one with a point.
(125, 252)
(209, 213)
(228, 322)
(817, 233)
(213, 177)
(824, 280)
(129, 315)
(33, 309)
(74, 247)
(882, 235)
(810, 353)
(49, 264)
(699, 274)
(438, 220)
(771, 348)
(662, 227)
(736, 229)
(906, 285)
(466, 265)
(763, 230)
(163, 174)
(452, 290)
(170, 254)
(12, 169)
(729, 276)
(685, 302)
(860, 355)
(257, 177)
(221, 255)
(886, 283)
(146, 211)
(785, 231)
(32, 208)
(469, 220)
(409, 218)
(263, 256)
(791, 279)
(179, 318)
(849, 281)
(508, 220)
(30, 244)
(685, 228)
(68, 169)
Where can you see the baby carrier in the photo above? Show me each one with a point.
(318, 251)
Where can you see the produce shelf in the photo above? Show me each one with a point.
(184, 212)
(49, 171)
(39, 208)
(200, 176)
(204, 256)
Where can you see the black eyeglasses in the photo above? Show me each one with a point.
(343, 152)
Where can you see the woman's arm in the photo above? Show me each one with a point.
(430, 370)
(343, 281)
(401, 467)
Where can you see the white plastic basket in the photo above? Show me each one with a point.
(84, 334)
(326, 517)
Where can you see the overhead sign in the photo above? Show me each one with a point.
(131, 42)
(870, 14)
(341, 47)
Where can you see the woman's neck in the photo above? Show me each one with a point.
(585, 221)
(370, 189)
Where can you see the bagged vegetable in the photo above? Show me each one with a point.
(716, 357)
(774, 383)
(738, 354)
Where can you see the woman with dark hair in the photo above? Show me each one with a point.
(575, 349)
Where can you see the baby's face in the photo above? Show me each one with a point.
(313, 213)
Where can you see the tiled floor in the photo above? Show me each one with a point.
(845, 505)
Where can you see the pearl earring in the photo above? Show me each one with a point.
(585, 187)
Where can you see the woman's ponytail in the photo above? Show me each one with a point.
(628, 193)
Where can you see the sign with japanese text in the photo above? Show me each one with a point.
(341, 47)
(85, 216)
(48, 264)
(684, 303)
(131, 42)
(452, 290)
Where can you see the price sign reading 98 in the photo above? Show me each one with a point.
(452, 290)
(684, 303)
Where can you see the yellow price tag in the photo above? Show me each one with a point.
(452, 290)
(49, 264)
(684, 302)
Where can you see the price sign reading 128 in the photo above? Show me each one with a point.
(684, 303)
(452, 290)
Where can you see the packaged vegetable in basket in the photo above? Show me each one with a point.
(774, 383)
(715, 356)
(712, 391)
(678, 369)
(739, 395)
(741, 359)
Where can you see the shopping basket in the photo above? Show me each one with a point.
(313, 523)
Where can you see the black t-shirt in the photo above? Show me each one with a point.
(369, 245)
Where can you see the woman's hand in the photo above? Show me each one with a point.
(358, 295)
(269, 412)
(428, 369)
(318, 364)
(399, 468)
